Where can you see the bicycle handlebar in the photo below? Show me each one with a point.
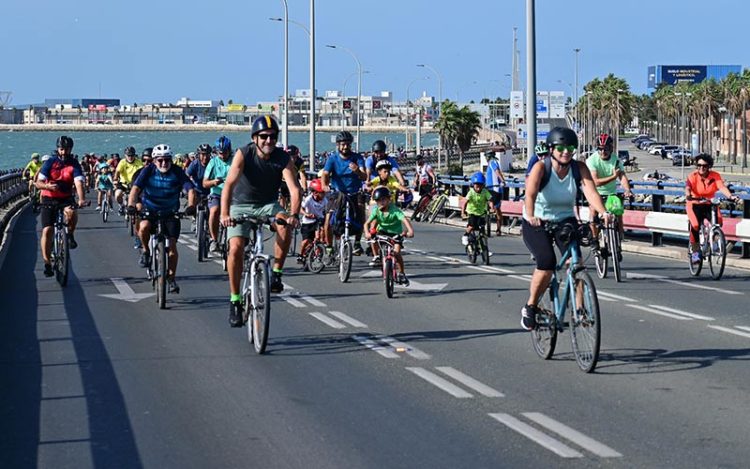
(264, 220)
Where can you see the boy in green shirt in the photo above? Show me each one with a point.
(478, 202)
(387, 219)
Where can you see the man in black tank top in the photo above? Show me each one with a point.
(252, 188)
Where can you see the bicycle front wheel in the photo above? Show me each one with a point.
(62, 258)
(585, 322)
(345, 261)
(544, 335)
(315, 261)
(161, 274)
(419, 212)
(438, 209)
(388, 277)
(201, 232)
(615, 253)
(718, 250)
(224, 247)
(131, 224)
(695, 267)
(485, 250)
(261, 307)
(105, 210)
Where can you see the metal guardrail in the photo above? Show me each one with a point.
(12, 188)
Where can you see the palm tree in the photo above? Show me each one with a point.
(730, 96)
(458, 128)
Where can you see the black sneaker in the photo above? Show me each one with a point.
(173, 287)
(145, 260)
(72, 241)
(277, 286)
(48, 272)
(357, 251)
(528, 317)
(402, 279)
(235, 313)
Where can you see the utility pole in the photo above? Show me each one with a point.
(530, 77)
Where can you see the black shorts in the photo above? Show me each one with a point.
(476, 221)
(50, 206)
(540, 244)
(307, 230)
(424, 189)
(497, 198)
(171, 226)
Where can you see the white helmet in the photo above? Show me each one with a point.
(162, 151)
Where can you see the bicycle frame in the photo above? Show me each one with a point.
(253, 252)
(570, 254)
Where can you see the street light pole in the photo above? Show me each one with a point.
(440, 108)
(285, 127)
(576, 50)
(530, 77)
(312, 85)
(359, 86)
(343, 94)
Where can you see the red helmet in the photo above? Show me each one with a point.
(604, 141)
(316, 185)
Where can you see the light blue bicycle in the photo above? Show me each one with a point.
(576, 295)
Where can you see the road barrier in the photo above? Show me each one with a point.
(13, 189)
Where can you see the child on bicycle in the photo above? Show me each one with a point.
(478, 203)
(388, 220)
(385, 179)
(313, 212)
(104, 186)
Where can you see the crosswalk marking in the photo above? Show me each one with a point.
(398, 346)
(328, 321)
(440, 382)
(470, 382)
(347, 319)
(372, 345)
(574, 436)
(546, 441)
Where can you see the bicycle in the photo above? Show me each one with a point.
(609, 249)
(712, 243)
(477, 246)
(436, 206)
(578, 296)
(106, 205)
(256, 274)
(60, 255)
(201, 229)
(343, 246)
(388, 260)
(314, 255)
(421, 209)
(223, 246)
(159, 245)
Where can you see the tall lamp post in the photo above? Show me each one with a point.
(312, 85)
(575, 93)
(359, 86)
(617, 130)
(343, 93)
(406, 145)
(530, 76)
(440, 107)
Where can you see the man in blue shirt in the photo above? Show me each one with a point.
(495, 181)
(197, 169)
(160, 184)
(378, 153)
(344, 171)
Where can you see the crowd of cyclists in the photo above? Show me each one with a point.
(261, 179)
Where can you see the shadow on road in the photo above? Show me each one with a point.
(640, 361)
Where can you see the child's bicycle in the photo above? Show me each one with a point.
(313, 257)
(388, 260)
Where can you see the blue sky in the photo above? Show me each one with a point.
(161, 50)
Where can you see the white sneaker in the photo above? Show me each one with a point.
(465, 240)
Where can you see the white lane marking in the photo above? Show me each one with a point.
(398, 346)
(744, 328)
(556, 446)
(435, 258)
(499, 270)
(347, 319)
(182, 241)
(441, 383)
(469, 382)
(218, 262)
(190, 246)
(292, 301)
(520, 277)
(661, 313)
(455, 260)
(614, 297)
(372, 345)
(661, 278)
(328, 321)
(604, 298)
(683, 313)
(313, 301)
(574, 436)
(481, 269)
(731, 331)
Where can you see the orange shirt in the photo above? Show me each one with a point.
(704, 187)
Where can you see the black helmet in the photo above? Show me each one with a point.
(147, 152)
(204, 148)
(264, 123)
(381, 192)
(130, 151)
(292, 150)
(344, 136)
(65, 142)
(378, 145)
(562, 136)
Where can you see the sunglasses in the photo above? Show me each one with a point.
(562, 148)
(268, 136)
(702, 165)
(163, 160)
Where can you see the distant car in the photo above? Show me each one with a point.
(656, 149)
(682, 157)
(639, 138)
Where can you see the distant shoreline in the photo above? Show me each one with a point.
(188, 128)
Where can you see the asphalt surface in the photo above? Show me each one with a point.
(439, 376)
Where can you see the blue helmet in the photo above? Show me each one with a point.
(478, 178)
(223, 144)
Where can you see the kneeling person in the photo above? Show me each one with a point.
(387, 219)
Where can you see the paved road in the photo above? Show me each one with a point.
(441, 376)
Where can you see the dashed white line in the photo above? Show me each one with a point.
(744, 328)
(328, 321)
(190, 246)
(313, 301)
(470, 382)
(660, 313)
(292, 301)
(520, 277)
(574, 436)
(372, 345)
(440, 382)
(614, 297)
(557, 447)
(683, 313)
(397, 345)
(635, 275)
(731, 331)
(347, 319)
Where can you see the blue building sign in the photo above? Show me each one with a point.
(675, 74)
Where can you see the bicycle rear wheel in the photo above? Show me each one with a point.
(614, 250)
(105, 210)
(585, 322)
(62, 257)
(345, 260)
(223, 247)
(261, 307)
(388, 277)
(419, 211)
(438, 209)
(201, 235)
(718, 253)
(544, 335)
(161, 274)
(315, 254)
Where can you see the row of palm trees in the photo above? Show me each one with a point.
(606, 106)
(458, 128)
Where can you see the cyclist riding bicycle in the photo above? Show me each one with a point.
(104, 186)
(299, 163)
(606, 170)
(213, 179)
(379, 154)
(160, 184)
(551, 197)
(33, 167)
(495, 180)
(384, 178)
(541, 151)
(197, 169)
(703, 184)
(252, 188)
(478, 203)
(424, 178)
(344, 171)
(313, 213)
(123, 176)
(387, 219)
(57, 178)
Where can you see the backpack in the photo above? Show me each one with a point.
(548, 172)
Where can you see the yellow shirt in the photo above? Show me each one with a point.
(33, 168)
(392, 185)
(125, 171)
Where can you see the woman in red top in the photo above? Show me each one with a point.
(703, 184)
